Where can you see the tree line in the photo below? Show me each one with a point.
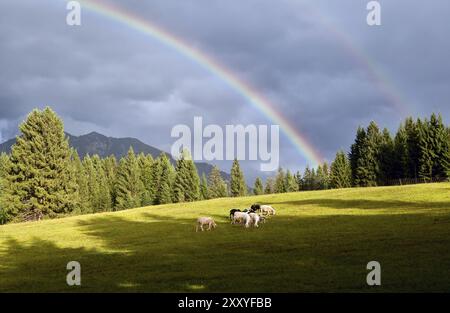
(420, 151)
(44, 177)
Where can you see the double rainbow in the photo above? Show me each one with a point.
(255, 98)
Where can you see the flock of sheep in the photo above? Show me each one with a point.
(249, 217)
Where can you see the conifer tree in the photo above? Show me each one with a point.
(401, 154)
(98, 193)
(308, 178)
(82, 183)
(322, 177)
(356, 153)
(433, 149)
(165, 181)
(364, 156)
(280, 181)
(326, 176)
(4, 163)
(186, 185)
(238, 187)
(217, 186)
(412, 141)
(386, 158)
(258, 187)
(204, 188)
(441, 147)
(129, 187)
(103, 202)
(269, 187)
(110, 167)
(145, 167)
(341, 172)
(426, 154)
(290, 182)
(299, 180)
(40, 172)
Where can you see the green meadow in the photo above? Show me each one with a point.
(319, 241)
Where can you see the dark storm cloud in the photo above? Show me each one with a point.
(102, 76)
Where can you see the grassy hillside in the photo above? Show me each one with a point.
(319, 241)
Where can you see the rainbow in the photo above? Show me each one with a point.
(375, 74)
(207, 62)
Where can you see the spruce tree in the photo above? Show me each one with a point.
(290, 182)
(412, 135)
(145, 167)
(269, 187)
(356, 153)
(299, 180)
(325, 178)
(98, 192)
(341, 172)
(258, 187)
(103, 202)
(204, 188)
(441, 162)
(129, 187)
(110, 167)
(165, 180)
(4, 163)
(401, 154)
(90, 205)
(238, 187)
(82, 182)
(308, 179)
(364, 156)
(386, 158)
(186, 185)
(40, 172)
(216, 184)
(426, 151)
(280, 181)
(193, 187)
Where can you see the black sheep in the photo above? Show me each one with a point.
(232, 211)
(255, 208)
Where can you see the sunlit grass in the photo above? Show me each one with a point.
(318, 241)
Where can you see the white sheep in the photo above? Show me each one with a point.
(202, 221)
(256, 219)
(267, 209)
(243, 218)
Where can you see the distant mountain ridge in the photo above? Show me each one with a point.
(95, 143)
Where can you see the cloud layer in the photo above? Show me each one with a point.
(317, 61)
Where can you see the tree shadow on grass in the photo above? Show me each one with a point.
(288, 254)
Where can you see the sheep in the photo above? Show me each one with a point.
(255, 208)
(202, 221)
(267, 209)
(243, 218)
(232, 211)
(256, 219)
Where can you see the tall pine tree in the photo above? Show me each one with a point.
(129, 187)
(258, 188)
(4, 160)
(165, 180)
(217, 186)
(341, 172)
(204, 195)
(40, 172)
(280, 181)
(238, 187)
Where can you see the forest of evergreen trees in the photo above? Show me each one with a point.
(419, 152)
(44, 177)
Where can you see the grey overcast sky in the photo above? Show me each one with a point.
(317, 61)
